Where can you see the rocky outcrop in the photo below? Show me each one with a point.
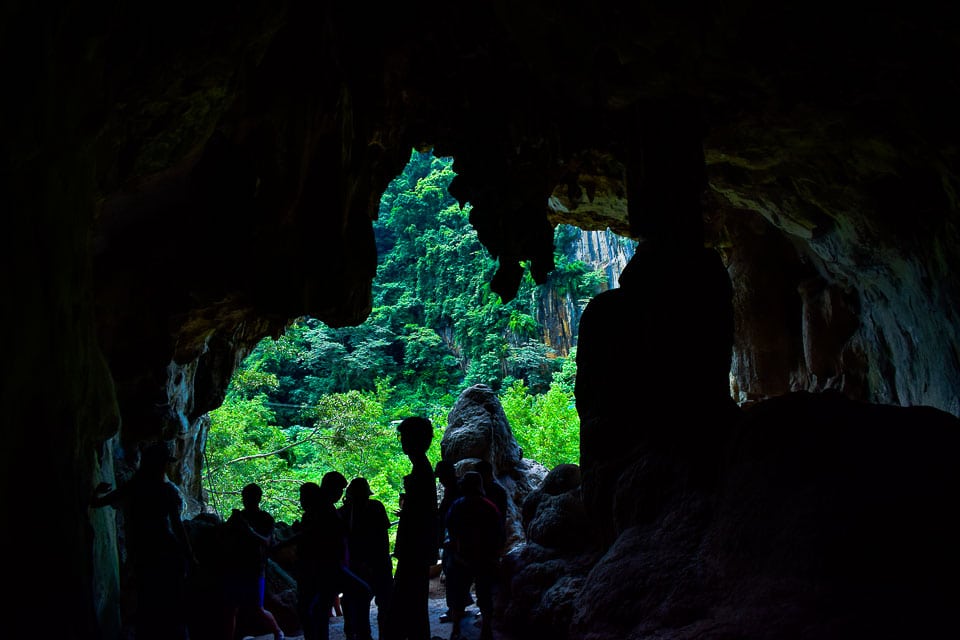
(543, 576)
(553, 513)
(819, 517)
(477, 429)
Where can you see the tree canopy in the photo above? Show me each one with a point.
(320, 398)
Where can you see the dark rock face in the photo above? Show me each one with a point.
(822, 518)
(477, 429)
(181, 183)
(553, 514)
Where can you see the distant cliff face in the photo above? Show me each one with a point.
(558, 308)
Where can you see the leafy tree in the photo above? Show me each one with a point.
(546, 426)
(319, 398)
(242, 447)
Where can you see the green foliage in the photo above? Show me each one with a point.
(319, 398)
(567, 375)
(546, 426)
(351, 433)
(244, 446)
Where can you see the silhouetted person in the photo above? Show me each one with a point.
(446, 474)
(416, 543)
(321, 548)
(493, 490)
(368, 547)
(157, 544)
(249, 534)
(477, 537)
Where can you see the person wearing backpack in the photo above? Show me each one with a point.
(249, 538)
(368, 552)
(477, 536)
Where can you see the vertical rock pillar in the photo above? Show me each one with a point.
(654, 355)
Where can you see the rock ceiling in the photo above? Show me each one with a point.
(270, 133)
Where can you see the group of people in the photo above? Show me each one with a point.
(339, 552)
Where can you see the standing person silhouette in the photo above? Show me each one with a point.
(157, 544)
(416, 544)
(321, 548)
(493, 490)
(368, 550)
(446, 473)
(250, 534)
(477, 537)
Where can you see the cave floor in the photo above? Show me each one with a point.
(469, 628)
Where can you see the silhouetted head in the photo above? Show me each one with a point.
(446, 473)
(311, 496)
(358, 489)
(471, 484)
(251, 495)
(416, 434)
(333, 484)
(156, 457)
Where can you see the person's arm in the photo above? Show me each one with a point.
(382, 517)
(265, 540)
(241, 521)
(451, 525)
(102, 496)
(271, 536)
(180, 531)
(297, 532)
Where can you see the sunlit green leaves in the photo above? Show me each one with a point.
(546, 426)
(243, 446)
(319, 398)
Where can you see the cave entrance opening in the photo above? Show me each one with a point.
(319, 398)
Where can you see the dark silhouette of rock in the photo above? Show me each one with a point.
(554, 515)
(477, 429)
(827, 519)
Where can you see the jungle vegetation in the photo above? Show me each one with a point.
(321, 398)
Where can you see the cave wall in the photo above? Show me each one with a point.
(183, 180)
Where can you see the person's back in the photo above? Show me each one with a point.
(150, 534)
(248, 553)
(157, 543)
(416, 543)
(249, 537)
(476, 539)
(368, 549)
(320, 540)
(367, 528)
(446, 473)
(320, 536)
(475, 525)
(492, 489)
